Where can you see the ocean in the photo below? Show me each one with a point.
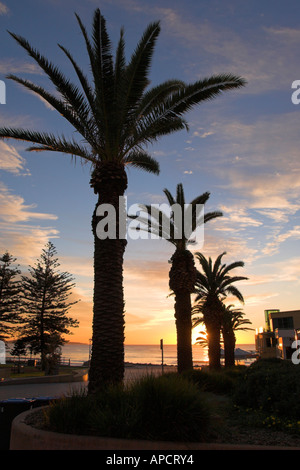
(78, 353)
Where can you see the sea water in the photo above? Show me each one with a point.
(78, 353)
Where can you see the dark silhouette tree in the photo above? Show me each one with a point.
(233, 320)
(177, 227)
(116, 117)
(45, 305)
(213, 285)
(9, 296)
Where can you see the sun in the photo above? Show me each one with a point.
(198, 331)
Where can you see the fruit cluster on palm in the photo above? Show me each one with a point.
(116, 117)
(212, 286)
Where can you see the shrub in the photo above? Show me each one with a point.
(272, 386)
(212, 381)
(170, 408)
(156, 408)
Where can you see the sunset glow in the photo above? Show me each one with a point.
(242, 147)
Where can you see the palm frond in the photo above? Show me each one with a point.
(139, 65)
(169, 196)
(229, 267)
(68, 91)
(202, 199)
(153, 98)
(66, 111)
(180, 199)
(218, 263)
(83, 80)
(119, 72)
(143, 161)
(212, 215)
(203, 90)
(46, 141)
(235, 292)
(229, 280)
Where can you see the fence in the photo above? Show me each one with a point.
(21, 361)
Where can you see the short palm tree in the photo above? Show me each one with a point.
(177, 227)
(116, 117)
(212, 287)
(233, 320)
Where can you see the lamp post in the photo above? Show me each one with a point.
(162, 355)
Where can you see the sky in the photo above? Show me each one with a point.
(242, 147)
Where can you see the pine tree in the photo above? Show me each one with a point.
(9, 296)
(45, 295)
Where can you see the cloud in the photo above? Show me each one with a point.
(25, 241)
(13, 209)
(277, 215)
(17, 235)
(254, 56)
(236, 247)
(280, 271)
(279, 238)
(11, 160)
(4, 10)
(285, 35)
(155, 272)
(266, 175)
(237, 216)
(202, 135)
(14, 66)
(258, 299)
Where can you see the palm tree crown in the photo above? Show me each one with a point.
(180, 223)
(115, 114)
(214, 280)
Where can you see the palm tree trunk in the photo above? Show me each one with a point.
(212, 314)
(183, 276)
(229, 347)
(184, 330)
(214, 347)
(107, 357)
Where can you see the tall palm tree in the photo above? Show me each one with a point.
(177, 227)
(212, 287)
(233, 320)
(116, 117)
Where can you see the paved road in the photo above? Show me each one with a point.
(39, 390)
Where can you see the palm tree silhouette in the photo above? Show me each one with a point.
(212, 287)
(116, 116)
(233, 320)
(177, 228)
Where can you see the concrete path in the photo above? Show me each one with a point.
(39, 390)
(59, 388)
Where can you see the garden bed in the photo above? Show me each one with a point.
(201, 408)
